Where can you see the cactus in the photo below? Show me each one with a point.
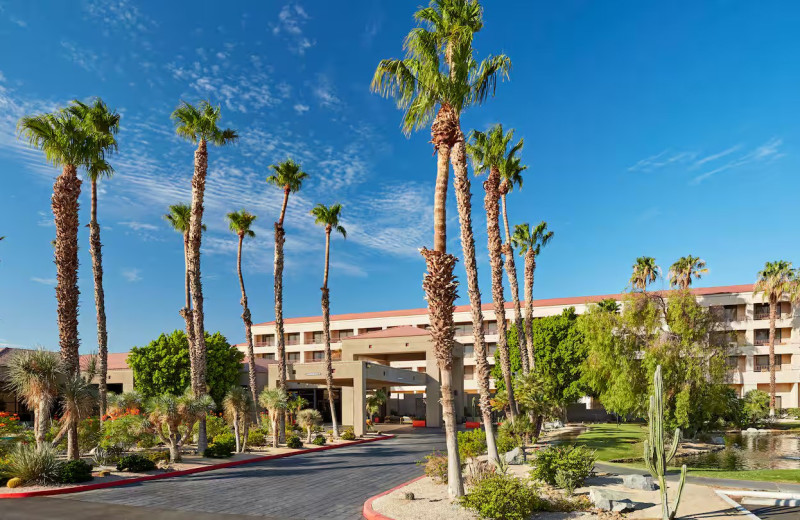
(14, 482)
(655, 457)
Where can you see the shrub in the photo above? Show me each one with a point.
(435, 466)
(15, 482)
(107, 456)
(502, 497)
(756, 407)
(224, 438)
(219, 451)
(505, 440)
(572, 463)
(794, 413)
(158, 456)
(471, 444)
(256, 438)
(215, 425)
(124, 430)
(319, 440)
(74, 471)
(135, 463)
(348, 435)
(39, 466)
(294, 442)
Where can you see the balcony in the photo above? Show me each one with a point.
(765, 368)
(264, 344)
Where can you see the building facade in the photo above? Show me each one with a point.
(746, 315)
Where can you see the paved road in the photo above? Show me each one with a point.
(331, 485)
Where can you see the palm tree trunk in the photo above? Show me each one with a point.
(530, 267)
(236, 431)
(275, 424)
(186, 312)
(99, 301)
(66, 191)
(773, 304)
(279, 339)
(195, 236)
(511, 272)
(491, 203)
(458, 158)
(41, 424)
(248, 329)
(326, 335)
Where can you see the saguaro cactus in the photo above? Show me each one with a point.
(655, 457)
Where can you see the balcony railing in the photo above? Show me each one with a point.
(764, 315)
(264, 344)
(765, 368)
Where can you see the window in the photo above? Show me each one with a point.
(469, 373)
(463, 329)
(762, 363)
(293, 338)
(292, 356)
(761, 311)
(265, 340)
(491, 347)
(469, 351)
(318, 355)
(762, 336)
(317, 337)
(490, 327)
(733, 362)
(369, 329)
(341, 334)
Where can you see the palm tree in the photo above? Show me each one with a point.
(78, 400)
(645, 272)
(240, 223)
(510, 175)
(289, 177)
(33, 376)
(489, 152)
(530, 244)
(436, 81)
(179, 216)
(276, 401)
(238, 406)
(173, 418)
(199, 125)
(684, 269)
(775, 281)
(105, 122)
(308, 419)
(329, 218)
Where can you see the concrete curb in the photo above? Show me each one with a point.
(371, 514)
(170, 474)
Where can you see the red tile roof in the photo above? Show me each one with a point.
(116, 360)
(574, 300)
(392, 332)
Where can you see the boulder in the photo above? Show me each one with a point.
(641, 482)
(607, 500)
(514, 456)
(408, 495)
(622, 506)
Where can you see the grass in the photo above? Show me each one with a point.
(612, 442)
(765, 475)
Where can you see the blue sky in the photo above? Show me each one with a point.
(658, 129)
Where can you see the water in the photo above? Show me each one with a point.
(750, 451)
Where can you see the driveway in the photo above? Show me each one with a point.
(330, 485)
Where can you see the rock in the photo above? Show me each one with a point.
(607, 500)
(622, 506)
(750, 430)
(514, 456)
(718, 440)
(408, 495)
(642, 482)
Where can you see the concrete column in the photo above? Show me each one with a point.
(458, 387)
(347, 405)
(433, 409)
(792, 402)
(360, 402)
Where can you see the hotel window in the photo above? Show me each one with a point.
(318, 355)
(293, 338)
(733, 362)
(469, 373)
(761, 311)
(316, 337)
(469, 351)
(490, 327)
(341, 334)
(490, 349)
(265, 340)
(463, 329)
(762, 336)
(292, 356)
(762, 363)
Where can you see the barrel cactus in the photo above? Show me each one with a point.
(655, 457)
(14, 482)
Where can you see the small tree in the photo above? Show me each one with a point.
(275, 401)
(33, 375)
(374, 402)
(173, 418)
(655, 456)
(78, 400)
(308, 419)
(238, 406)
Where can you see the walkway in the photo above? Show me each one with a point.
(331, 485)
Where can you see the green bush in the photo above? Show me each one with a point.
(506, 441)
(563, 466)
(222, 447)
(502, 497)
(37, 466)
(215, 425)
(319, 440)
(256, 438)
(158, 456)
(135, 463)
(435, 466)
(755, 407)
(107, 456)
(224, 438)
(471, 444)
(348, 435)
(294, 442)
(74, 471)
(125, 431)
(794, 413)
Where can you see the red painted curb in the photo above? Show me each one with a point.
(190, 471)
(371, 514)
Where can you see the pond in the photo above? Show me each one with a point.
(748, 451)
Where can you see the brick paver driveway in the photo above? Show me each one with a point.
(330, 485)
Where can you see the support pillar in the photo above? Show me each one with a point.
(360, 402)
(433, 408)
(347, 405)
(458, 388)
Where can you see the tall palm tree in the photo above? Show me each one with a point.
(328, 216)
(530, 244)
(198, 124)
(511, 175)
(238, 406)
(490, 151)
(289, 177)
(436, 81)
(105, 122)
(276, 401)
(645, 272)
(33, 376)
(240, 222)
(775, 281)
(684, 269)
(178, 217)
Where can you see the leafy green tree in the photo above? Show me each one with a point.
(559, 355)
(163, 366)
(755, 407)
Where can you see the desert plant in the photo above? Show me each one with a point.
(655, 456)
(107, 456)
(435, 467)
(256, 437)
(503, 497)
(15, 482)
(573, 463)
(158, 456)
(34, 465)
(275, 400)
(294, 442)
(33, 375)
(215, 425)
(238, 407)
(319, 440)
(348, 435)
(308, 419)
(74, 471)
(135, 463)
(471, 444)
(173, 418)
(221, 448)
(124, 430)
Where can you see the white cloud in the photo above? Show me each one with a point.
(301, 108)
(44, 281)
(325, 93)
(718, 155)
(18, 22)
(119, 14)
(132, 274)
(139, 226)
(83, 58)
(291, 20)
(45, 219)
(767, 152)
(661, 160)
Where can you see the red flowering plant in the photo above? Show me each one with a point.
(12, 431)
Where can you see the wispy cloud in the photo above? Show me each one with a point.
(139, 226)
(119, 14)
(19, 22)
(661, 160)
(45, 219)
(132, 274)
(44, 281)
(718, 155)
(83, 58)
(325, 93)
(291, 20)
(301, 108)
(769, 151)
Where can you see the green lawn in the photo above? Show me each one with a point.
(766, 475)
(614, 442)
